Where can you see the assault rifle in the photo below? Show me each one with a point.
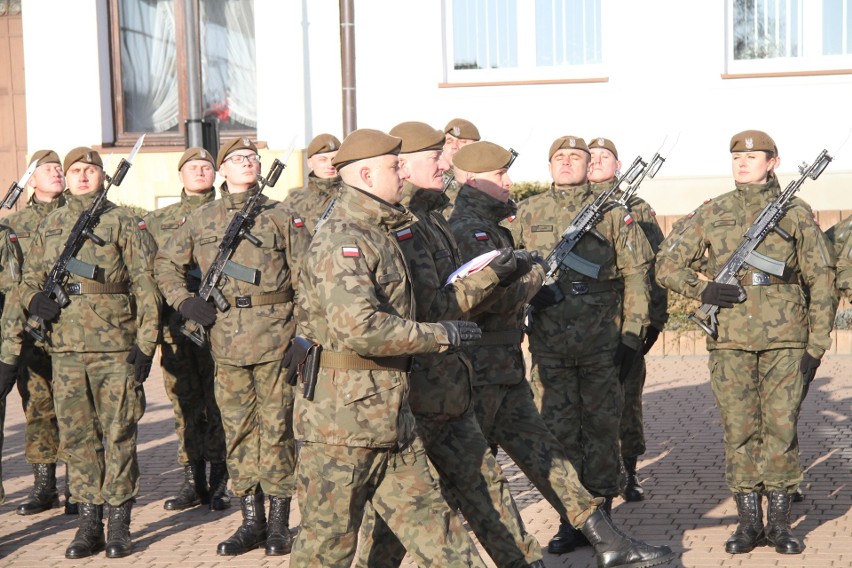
(18, 186)
(83, 229)
(650, 170)
(238, 230)
(706, 315)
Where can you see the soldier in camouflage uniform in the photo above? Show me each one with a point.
(441, 382)
(603, 172)
(188, 369)
(358, 431)
(582, 345)
(312, 200)
(102, 345)
(458, 133)
(248, 341)
(838, 236)
(769, 345)
(35, 385)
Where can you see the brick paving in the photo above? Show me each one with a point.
(688, 506)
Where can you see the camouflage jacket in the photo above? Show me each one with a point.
(241, 335)
(25, 221)
(357, 298)
(476, 225)
(94, 323)
(312, 200)
(440, 382)
(646, 217)
(452, 194)
(773, 316)
(616, 309)
(162, 224)
(838, 235)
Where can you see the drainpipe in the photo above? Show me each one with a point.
(194, 129)
(347, 64)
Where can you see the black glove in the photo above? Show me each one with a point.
(8, 377)
(722, 295)
(548, 295)
(293, 357)
(523, 264)
(625, 356)
(808, 367)
(141, 363)
(44, 307)
(461, 333)
(198, 310)
(536, 258)
(503, 264)
(651, 336)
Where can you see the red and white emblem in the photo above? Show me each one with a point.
(351, 252)
(404, 235)
(480, 236)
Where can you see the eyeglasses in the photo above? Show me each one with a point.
(240, 158)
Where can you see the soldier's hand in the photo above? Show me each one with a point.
(722, 295)
(504, 264)
(625, 357)
(198, 310)
(461, 333)
(536, 258)
(651, 336)
(808, 367)
(548, 295)
(523, 264)
(141, 363)
(8, 377)
(44, 306)
(293, 357)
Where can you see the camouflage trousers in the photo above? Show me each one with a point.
(472, 481)
(257, 414)
(632, 428)
(337, 482)
(35, 385)
(98, 407)
(581, 402)
(759, 395)
(509, 418)
(188, 372)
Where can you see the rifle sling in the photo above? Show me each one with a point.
(513, 337)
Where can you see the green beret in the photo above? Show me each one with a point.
(365, 143)
(753, 140)
(482, 157)
(461, 128)
(195, 153)
(603, 143)
(82, 154)
(232, 145)
(323, 143)
(569, 142)
(417, 137)
(45, 157)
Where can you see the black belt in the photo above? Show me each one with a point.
(583, 288)
(501, 337)
(758, 278)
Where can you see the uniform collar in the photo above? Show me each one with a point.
(582, 191)
(482, 205)
(603, 187)
(419, 199)
(759, 192)
(42, 208)
(79, 203)
(324, 185)
(235, 200)
(190, 202)
(367, 207)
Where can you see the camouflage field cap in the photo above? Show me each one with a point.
(461, 128)
(417, 137)
(568, 142)
(753, 140)
(482, 157)
(365, 143)
(195, 153)
(82, 154)
(323, 143)
(45, 157)
(603, 143)
(232, 145)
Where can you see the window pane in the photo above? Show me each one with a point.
(148, 71)
(766, 28)
(485, 34)
(568, 32)
(229, 63)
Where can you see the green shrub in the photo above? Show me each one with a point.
(523, 189)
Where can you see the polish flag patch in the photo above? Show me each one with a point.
(628, 219)
(182, 221)
(142, 225)
(653, 213)
(511, 218)
(480, 236)
(298, 222)
(691, 215)
(351, 252)
(13, 237)
(404, 235)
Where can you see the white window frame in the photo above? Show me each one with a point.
(527, 70)
(810, 44)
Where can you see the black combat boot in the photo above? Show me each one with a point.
(70, 508)
(118, 543)
(749, 533)
(252, 533)
(614, 548)
(89, 538)
(43, 495)
(633, 491)
(566, 539)
(798, 496)
(193, 491)
(219, 497)
(279, 541)
(778, 531)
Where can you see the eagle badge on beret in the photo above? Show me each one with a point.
(89, 157)
(202, 154)
(600, 141)
(456, 131)
(749, 143)
(332, 145)
(246, 142)
(572, 142)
